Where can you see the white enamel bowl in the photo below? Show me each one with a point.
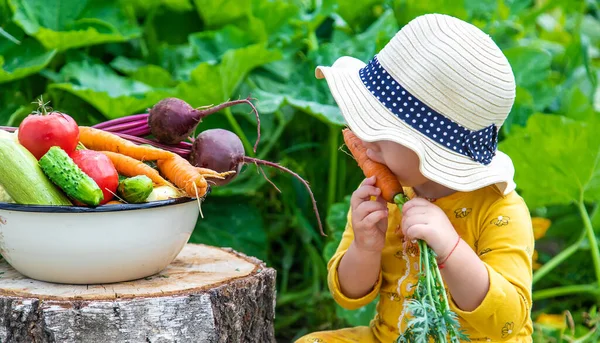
(80, 245)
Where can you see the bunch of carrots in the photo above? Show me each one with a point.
(129, 159)
(431, 318)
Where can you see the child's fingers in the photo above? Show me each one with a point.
(369, 181)
(417, 219)
(373, 218)
(416, 232)
(366, 208)
(362, 194)
(415, 211)
(416, 202)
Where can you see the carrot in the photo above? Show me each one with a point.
(100, 140)
(130, 167)
(184, 175)
(385, 179)
(207, 173)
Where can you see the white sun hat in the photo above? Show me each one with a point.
(440, 87)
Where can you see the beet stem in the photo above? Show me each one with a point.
(139, 140)
(138, 132)
(278, 166)
(211, 110)
(121, 120)
(125, 126)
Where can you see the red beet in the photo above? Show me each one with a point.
(173, 120)
(219, 150)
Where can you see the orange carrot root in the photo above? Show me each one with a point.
(385, 179)
(130, 167)
(99, 140)
(184, 175)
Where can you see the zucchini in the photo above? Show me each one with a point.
(4, 197)
(22, 178)
(135, 189)
(62, 170)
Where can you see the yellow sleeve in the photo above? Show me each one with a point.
(504, 246)
(332, 273)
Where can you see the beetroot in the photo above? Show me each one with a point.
(219, 150)
(222, 150)
(173, 120)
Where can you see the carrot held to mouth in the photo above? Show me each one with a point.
(385, 180)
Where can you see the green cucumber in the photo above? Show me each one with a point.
(62, 170)
(22, 178)
(135, 189)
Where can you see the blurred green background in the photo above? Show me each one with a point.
(98, 60)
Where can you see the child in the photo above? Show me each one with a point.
(429, 106)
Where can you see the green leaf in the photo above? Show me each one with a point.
(212, 45)
(530, 65)
(148, 74)
(216, 13)
(233, 223)
(154, 76)
(127, 65)
(577, 105)
(326, 113)
(19, 61)
(66, 24)
(274, 14)
(113, 95)
(144, 6)
(358, 13)
(179, 60)
(564, 152)
(213, 84)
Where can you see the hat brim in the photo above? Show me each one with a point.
(372, 121)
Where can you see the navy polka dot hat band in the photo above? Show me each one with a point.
(479, 145)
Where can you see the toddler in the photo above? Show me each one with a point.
(429, 106)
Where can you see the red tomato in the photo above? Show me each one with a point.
(100, 168)
(39, 132)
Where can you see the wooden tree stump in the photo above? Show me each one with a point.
(207, 294)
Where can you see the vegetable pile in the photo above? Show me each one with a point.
(432, 319)
(133, 159)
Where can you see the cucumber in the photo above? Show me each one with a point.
(135, 189)
(61, 170)
(23, 179)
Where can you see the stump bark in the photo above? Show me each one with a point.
(206, 294)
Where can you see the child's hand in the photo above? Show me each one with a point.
(369, 218)
(424, 220)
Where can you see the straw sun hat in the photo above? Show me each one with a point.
(440, 87)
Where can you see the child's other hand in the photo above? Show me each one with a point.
(424, 220)
(369, 218)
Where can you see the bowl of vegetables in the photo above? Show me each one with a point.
(116, 201)
(101, 213)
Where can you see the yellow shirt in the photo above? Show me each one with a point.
(498, 228)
